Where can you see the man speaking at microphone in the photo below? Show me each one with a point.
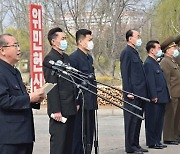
(61, 99)
(17, 134)
(83, 61)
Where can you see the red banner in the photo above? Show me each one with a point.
(36, 46)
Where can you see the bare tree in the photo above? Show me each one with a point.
(3, 13)
(108, 20)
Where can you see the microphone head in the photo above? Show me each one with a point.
(59, 62)
(51, 62)
(84, 83)
(91, 77)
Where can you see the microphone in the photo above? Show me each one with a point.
(63, 65)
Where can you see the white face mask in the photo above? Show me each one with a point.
(63, 45)
(175, 53)
(90, 45)
(159, 54)
(138, 43)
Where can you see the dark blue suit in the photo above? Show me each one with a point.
(16, 119)
(84, 63)
(134, 81)
(154, 112)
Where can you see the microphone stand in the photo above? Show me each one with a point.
(124, 91)
(137, 107)
(79, 86)
(86, 76)
(86, 89)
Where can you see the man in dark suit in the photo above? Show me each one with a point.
(16, 119)
(134, 81)
(61, 99)
(83, 61)
(159, 95)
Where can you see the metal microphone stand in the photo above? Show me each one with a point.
(86, 89)
(137, 107)
(86, 76)
(88, 144)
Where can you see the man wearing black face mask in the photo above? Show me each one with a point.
(159, 95)
(134, 81)
(61, 99)
(83, 61)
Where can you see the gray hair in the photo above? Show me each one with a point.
(2, 40)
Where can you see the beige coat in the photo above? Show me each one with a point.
(172, 73)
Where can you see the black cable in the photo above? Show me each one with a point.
(96, 146)
(82, 115)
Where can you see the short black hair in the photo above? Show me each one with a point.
(129, 34)
(151, 44)
(3, 42)
(52, 34)
(82, 34)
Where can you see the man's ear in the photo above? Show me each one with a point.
(80, 41)
(151, 51)
(2, 51)
(167, 51)
(52, 41)
(130, 38)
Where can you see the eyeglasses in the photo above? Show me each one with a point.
(13, 45)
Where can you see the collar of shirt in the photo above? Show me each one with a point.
(171, 59)
(8, 66)
(153, 60)
(133, 49)
(57, 53)
(83, 54)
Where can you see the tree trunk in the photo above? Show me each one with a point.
(113, 66)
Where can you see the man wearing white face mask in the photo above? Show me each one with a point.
(159, 95)
(134, 81)
(172, 74)
(61, 99)
(83, 61)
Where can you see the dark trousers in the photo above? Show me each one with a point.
(61, 136)
(154, 118)
(132, 125)
(16, 148)
(171, 120)
(81, 144)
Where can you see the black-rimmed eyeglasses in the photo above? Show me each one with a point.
(13, 45)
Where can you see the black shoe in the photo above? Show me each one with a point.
(136, 152)
(155, 147)
(171, 142)
(162, 145)
(143, 150)
(178, 140)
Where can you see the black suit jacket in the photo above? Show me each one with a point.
(132, 71)
(156, 82)
(84, 63)
(62, 97)
(16, 117)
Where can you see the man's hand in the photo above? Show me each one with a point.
(130, 96)
(155, 100)
(37, 96)
(78, 107)
(57, 116)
